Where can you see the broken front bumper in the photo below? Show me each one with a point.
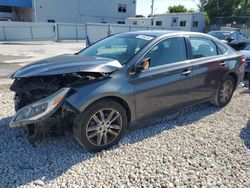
(39, 110)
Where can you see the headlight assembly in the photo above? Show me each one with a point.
(39, 110)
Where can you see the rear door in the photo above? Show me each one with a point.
(168, 82)
(208, 67)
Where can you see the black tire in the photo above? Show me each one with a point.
(217, 99)
(83, 121)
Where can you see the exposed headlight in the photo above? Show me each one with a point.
(38, 110)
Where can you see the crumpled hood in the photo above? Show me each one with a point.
(65, 64)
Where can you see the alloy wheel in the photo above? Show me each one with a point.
(226, 91)
(104, 127)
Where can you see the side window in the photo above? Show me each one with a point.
(202, 47)
(168, 51)
(222, 49)
(158, 23)
(242, 37)
(246, 37)
(234, 36)
(195, 23)
(121, 22)
(183, 23)
(122, 8)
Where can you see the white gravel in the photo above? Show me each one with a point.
(203, 146)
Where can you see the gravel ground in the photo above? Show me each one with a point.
(202, 146)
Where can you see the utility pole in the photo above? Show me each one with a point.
(35, 9)
(152, 8)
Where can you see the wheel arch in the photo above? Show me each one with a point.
(235, 77)
(119, 100)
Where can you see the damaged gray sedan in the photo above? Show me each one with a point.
(121, 81)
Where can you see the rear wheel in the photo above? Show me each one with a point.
(101, 125)
(225, 92)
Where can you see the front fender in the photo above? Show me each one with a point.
(109, 87)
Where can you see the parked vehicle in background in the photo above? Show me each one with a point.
(121, 81)
(235, 39)
(246, 53)
(5, 19)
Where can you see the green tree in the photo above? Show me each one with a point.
(177, 9)
(216, 8)
(202, 8)
(244, 8)
(202, 5)
(191, 10)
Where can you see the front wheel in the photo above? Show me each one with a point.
(101, 125)
(224, 92)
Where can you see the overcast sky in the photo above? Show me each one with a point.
(161, 6)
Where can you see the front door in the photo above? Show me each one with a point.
(167, 84)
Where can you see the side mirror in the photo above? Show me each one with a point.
(230, 39)
(144, 64)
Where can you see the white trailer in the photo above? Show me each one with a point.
(193, 21)
(144, 21)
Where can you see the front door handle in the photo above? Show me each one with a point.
(222, 64)
(186, 72)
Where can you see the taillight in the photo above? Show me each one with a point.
(244, 59)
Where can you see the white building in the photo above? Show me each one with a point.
(69, 11)
(190, 21)
(139, 21)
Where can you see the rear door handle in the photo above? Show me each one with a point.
(186, 72)
(222, 63)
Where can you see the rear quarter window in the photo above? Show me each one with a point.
(222, 49)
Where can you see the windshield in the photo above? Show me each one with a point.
(118, 47)
(247, 47)
(220, 35)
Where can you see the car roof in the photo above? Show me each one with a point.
(155, 33)
(159, 33)
(223, 31)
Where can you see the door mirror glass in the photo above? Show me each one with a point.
(231, 38)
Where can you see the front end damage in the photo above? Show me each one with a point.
(41, 106)
(41, 90)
